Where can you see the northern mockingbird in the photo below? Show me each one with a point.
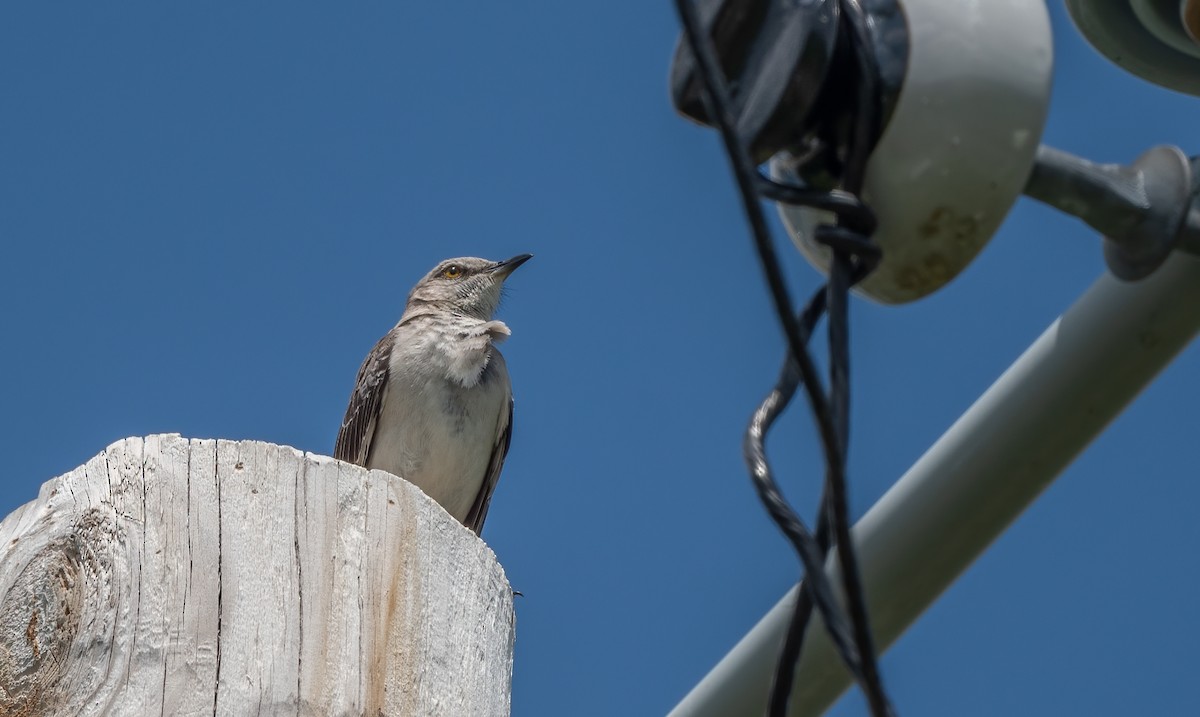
(433, 403)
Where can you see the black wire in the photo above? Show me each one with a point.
(853, 257)
(760, 424)
(841, 276)
(716, 98)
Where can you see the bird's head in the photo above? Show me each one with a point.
(469, 286)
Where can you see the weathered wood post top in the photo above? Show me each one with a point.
(198, 577)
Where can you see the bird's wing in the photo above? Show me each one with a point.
(358, 427)
(479, 509)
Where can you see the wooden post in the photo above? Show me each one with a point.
(186, 577)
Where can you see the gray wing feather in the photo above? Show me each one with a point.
(353, 443)
(479, 509)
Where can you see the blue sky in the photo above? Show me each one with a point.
(210, 213)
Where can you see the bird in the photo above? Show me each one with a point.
(433, 401)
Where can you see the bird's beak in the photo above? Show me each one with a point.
(508, 266)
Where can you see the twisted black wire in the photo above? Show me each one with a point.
(716, 98)
(760, 424)
(853, 257)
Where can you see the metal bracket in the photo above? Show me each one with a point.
(1144, 210)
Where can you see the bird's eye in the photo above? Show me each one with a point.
(452, 272)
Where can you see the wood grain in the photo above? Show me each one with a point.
(170, 576)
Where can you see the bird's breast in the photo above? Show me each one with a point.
(439, 435)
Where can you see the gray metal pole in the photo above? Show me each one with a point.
(978, 477)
